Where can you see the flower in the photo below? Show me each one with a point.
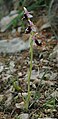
(28, 29)
(32, 26)
(36, 41)
(27, 14)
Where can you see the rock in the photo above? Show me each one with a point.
(12, 64)
(23, 94)
(36, 81)
(19, 29)
(45, 26)
(41, 74)
(9, 100)
(20, 74)
(54, 54)
(13, 12)
(11, 67)
(13, 32)
(34, 86)
(20, 105)
(51, 76)
(1, 68)
(1, 98)
(34, 74)
(55, 94)
(5, 21)
(53, 16)
(47, 76)
(24, 116)
(50, 83)
(14, 45)
(9, 91)
(6, 77)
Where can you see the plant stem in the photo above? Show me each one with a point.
(30, 70)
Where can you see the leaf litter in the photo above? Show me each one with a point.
(44, 85)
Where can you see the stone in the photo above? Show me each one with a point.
(34, 86)
(24, 116)
(36, 81)
(13, 12)
(51, 76)
(13, 32)
(1, 98)
(14, 45)
(41, 74)
(5, 21)
(20, 105)
(23, 94)
(11, 66)
(19, 29)
(45, 26)
(20, 74)
(53, 16)
(1, 68)
(34, 74)
(54, 54)
(9, 100)
(6, 77)
(55, 94)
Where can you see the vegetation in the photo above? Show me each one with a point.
(28, 81)
(30, 5)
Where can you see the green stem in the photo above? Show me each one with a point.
(30, 70)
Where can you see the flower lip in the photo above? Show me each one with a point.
(36, 41)
(25, 16)
(28, 30)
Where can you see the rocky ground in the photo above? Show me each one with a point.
(43, 83)
(14, 65)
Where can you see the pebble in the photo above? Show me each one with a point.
(34, 74)
(1, 68)
(36, 81)
(55, 94)
(20, 105)
(9, 100)
(20, 74)
(23, 94)
(54, 54)
(13, 32)
(34, 86)
(1, 98)
(19, 29)
(24, 116)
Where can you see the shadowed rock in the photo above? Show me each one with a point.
(53, 16)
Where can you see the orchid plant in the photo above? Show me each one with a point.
(32, 30)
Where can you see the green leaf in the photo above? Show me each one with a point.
(15, 85)
(50, 103)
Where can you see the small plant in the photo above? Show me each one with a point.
(50, 103)
(32, 30)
